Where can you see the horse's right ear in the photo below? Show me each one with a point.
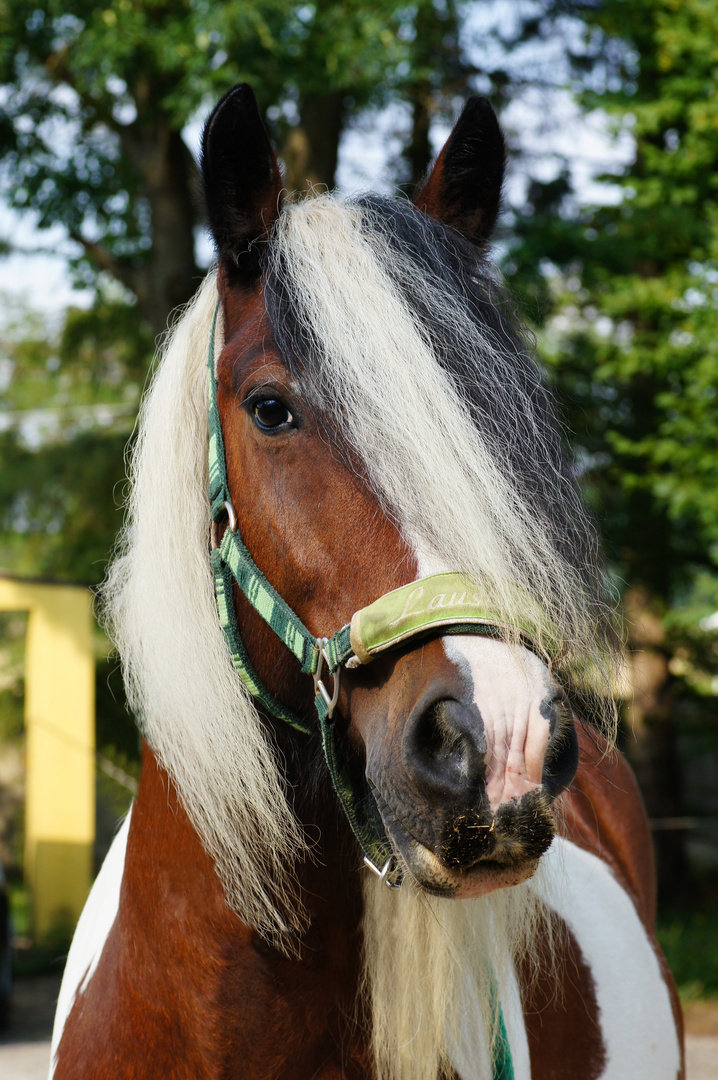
(242, 182)
(463, 189)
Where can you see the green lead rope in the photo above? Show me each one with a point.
(443, 600)
(502, 1062)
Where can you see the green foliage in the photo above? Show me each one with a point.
(12, 701)
(690, 943)
(12, 689)
(627, 296)
(116, 734)
(95, 98)
(20, 912)
(67, 406)
(59, 516)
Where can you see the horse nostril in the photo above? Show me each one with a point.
(561, 760)
(445, 749)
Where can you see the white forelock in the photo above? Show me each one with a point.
(441, 476)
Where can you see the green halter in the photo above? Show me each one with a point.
(442, 601)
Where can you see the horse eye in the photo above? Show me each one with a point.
(270, 414)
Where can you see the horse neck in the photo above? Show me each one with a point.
(166, 851)
(332, 876)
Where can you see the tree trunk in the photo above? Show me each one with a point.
(418, 153)
(437, 49)
(311, 149)
(652, 748)
(169, 275)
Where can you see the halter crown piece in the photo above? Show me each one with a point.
(442, 601)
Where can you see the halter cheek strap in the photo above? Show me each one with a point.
(232, 563)
(446, 602)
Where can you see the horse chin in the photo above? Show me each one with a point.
(500, 871)
(485, 877)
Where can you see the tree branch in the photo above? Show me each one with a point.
(104, 260)
(59, 71)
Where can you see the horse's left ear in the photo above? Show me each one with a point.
(464, 187)
(242, 182)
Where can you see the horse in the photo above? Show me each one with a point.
(381, 832)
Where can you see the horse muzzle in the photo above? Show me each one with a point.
(477, 852)
(466, 799)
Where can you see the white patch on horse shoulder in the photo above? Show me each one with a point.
(636, 1019)
(92, 931)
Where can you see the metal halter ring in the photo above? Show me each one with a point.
(232, 525)
(330, 700)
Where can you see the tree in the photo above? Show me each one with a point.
(630, 292)
(96, 99)
(68, 404)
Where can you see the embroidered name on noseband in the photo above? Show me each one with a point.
(447, 602)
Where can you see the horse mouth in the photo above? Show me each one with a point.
(512, 860)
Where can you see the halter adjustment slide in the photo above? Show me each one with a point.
(330, 700)
(386, 873)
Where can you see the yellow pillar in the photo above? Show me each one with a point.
(60, 732)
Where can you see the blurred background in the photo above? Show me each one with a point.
(609, 244)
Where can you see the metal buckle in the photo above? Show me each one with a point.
(330, 700)
(383, 874)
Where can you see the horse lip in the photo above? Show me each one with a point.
(486, 874)
(393, 825)
(435, 877)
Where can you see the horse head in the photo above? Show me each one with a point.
(383, 427)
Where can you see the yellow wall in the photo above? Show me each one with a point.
(60, 725)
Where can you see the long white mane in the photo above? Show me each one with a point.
(159, 603)
(426, 961)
